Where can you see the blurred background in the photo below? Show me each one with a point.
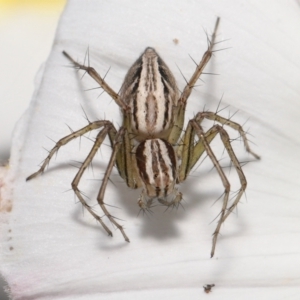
(27, 30)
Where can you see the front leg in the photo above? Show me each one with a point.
(179, 110)
(200, 67)
(93, 73)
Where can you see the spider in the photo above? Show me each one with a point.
(151, 150)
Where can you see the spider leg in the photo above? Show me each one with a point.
(93, 73)
(98, 142)
(178, 111)
(112, 161)
(189, 153)
(67, 139)
(126, 161)
(224, 121)
(225, 211)
(200, 133)
(200, 67)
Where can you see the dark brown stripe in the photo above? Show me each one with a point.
(141, 161)
(163, 165)
(167, 103)
(135, 110)
(171, 154)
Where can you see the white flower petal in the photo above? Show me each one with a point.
(51, 250)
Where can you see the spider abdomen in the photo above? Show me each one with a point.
(157, 166)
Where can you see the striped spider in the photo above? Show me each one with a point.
(151, 150)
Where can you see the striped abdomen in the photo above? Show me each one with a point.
(157, 165)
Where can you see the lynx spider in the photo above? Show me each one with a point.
(143, 149)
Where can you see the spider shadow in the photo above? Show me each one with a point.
(161, 222)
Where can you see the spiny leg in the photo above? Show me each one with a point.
(126, 161)
(93, 73)
(200, 133)
(224, 121)
(100, 197)
(205, 59)
(179, 111)
(98, 142)
(226, 141)
(190, 153)
(67, 139)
